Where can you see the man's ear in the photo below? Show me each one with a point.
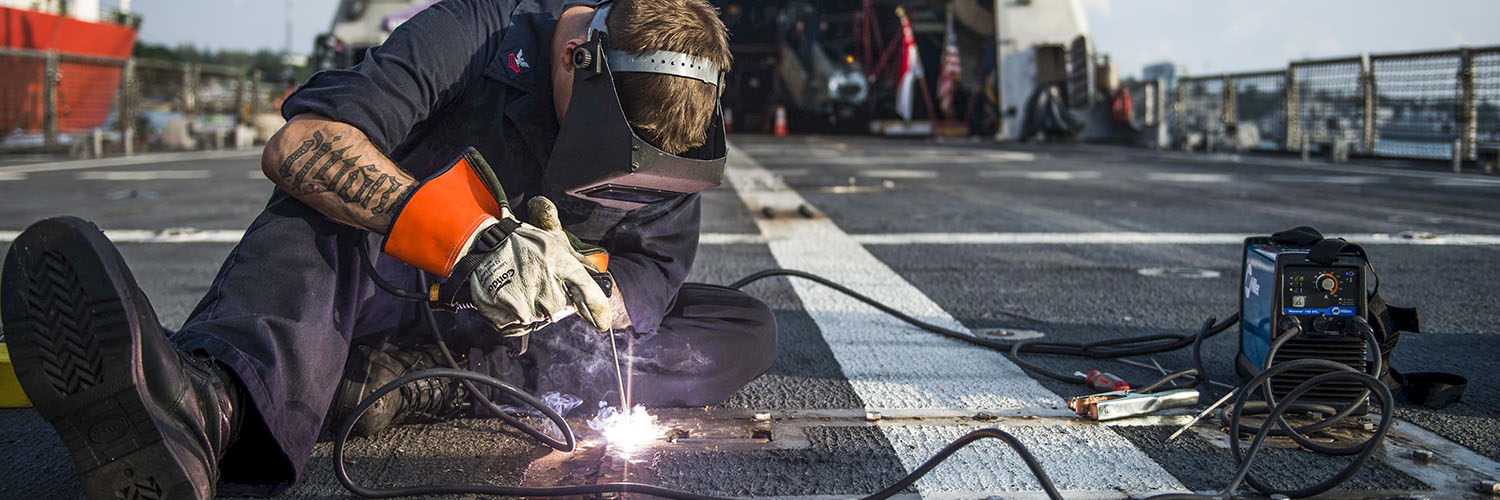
(565, 56)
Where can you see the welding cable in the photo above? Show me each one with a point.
(1337, 371)
(347, 426)
(1244, 457)
(1104, 349)
(364, 257)
(1205, 384)
(1333, 415)
(568, 442)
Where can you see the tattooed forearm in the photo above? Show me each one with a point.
(317, 167)
(333, 168)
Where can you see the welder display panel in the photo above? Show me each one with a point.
(1322, 291)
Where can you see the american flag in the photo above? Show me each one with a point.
(949, 72)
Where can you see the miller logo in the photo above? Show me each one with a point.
(517, 61)
(1252, 285)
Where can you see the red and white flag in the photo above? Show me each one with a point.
(950, 72)
(911, 68)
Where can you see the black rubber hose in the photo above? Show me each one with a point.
(1205, 384)
(364, 256)
(1339, 371)
(1297, 433)
(1104, 349)
(1244, 458)
(566, 444)
(347, 426)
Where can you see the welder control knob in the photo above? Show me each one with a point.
(1328, 284)
(583, 58)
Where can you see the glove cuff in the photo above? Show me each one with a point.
(438, 223)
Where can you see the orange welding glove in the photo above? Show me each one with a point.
(519, 276)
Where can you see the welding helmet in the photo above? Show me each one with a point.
(598, 156)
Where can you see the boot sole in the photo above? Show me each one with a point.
(75, 347)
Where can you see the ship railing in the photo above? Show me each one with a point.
(1437, 104)
(66, 98)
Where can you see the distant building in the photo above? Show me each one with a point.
(1165, 70)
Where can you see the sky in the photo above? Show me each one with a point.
(1207, 36)
(1223, 36)
(233, 24)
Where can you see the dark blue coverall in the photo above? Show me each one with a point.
(292, 296)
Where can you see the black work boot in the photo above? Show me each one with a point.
(421, 401)
(140, 418)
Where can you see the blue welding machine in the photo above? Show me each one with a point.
(1312, 288)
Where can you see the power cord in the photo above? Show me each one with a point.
(1274, 421)
(568, 442)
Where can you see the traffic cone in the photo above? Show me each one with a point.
(780, 128)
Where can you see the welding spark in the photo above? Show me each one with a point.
(626, 432)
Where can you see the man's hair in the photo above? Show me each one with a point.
(671, 112)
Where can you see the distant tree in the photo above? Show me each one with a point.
(270, 63)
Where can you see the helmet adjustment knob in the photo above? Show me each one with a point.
(583, 58)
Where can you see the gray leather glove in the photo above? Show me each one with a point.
(535, 277)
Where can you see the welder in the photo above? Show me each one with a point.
(455, 158)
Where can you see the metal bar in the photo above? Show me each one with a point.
(51, 77)
(1424, 53)
(125, 105)
(255, 92)
(1467, 115)
(1179, 107)
(1367, 91)
(1159, 90)
(1336, 60)
(1247, 74)
(1000, 32)
(1229, 111)
(241, 95)
(189, 91)
(1291, 97)
(38, 54)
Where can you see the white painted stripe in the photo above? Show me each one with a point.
(143, 175)
(792, 172)
(899, 173)
(730, 239)
(131, 160)
(1188, 177)
(189, 235)
(1075, 457)
(179, 235)
(1141, 238)
(7, 176)
(1043, 175)
(1466, 182)
(1327, 179)
(933, 160)
(893, 365)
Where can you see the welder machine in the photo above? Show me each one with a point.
(1315, 290)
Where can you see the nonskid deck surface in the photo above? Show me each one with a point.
(1074, 243)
